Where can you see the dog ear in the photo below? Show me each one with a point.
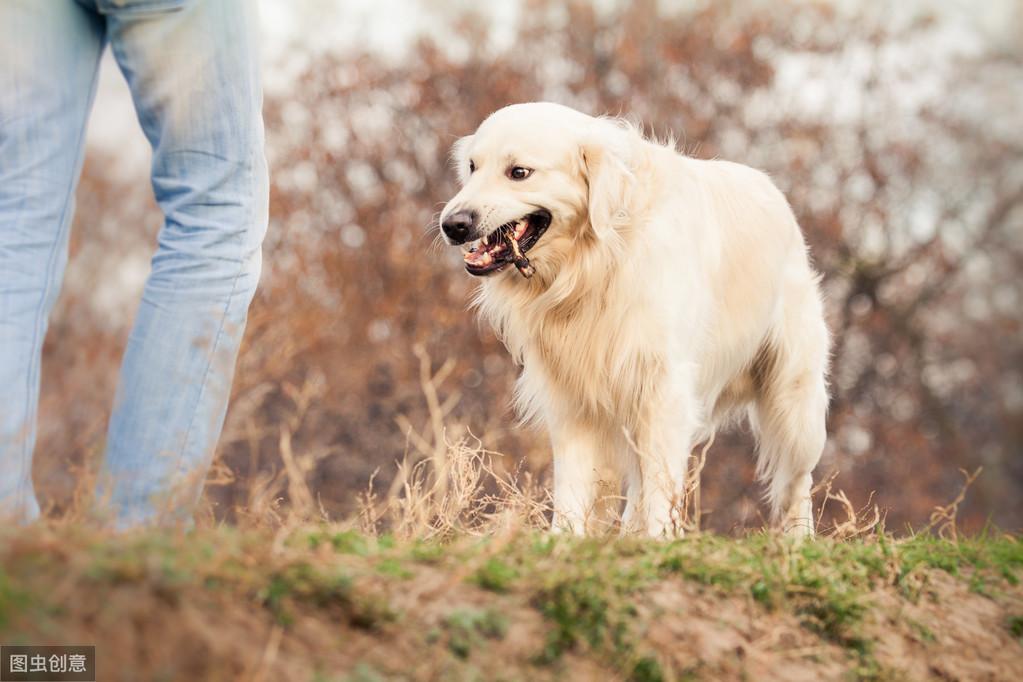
(607, 155)
(459, 158)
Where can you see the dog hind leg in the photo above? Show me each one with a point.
(790, 411)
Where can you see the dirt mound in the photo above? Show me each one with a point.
(327, 604)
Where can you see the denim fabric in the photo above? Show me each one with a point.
(193, 70)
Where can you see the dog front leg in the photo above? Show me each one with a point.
(657, 471)
(577, 461)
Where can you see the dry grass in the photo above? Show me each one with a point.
(449, 484)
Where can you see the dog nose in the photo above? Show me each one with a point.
(459, 224)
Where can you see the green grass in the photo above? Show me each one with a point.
(470, 628)
(496, 575)
(1015, 625)
(584, 591)
(13, 599)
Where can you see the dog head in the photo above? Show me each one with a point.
(553, 179)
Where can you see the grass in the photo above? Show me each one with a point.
(455, 602)
(468, 628)
(1015, 625)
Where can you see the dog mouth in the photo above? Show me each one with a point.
(507, 244)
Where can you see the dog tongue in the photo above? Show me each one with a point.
(480, 257)
(485, 253)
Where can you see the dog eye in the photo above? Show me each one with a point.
(472, 166)
(519, 173)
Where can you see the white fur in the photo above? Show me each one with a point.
(671, 295)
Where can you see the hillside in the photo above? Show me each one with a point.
(324, 603)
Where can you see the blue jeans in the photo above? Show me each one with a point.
(193, 70)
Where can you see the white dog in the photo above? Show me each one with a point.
(660, 297)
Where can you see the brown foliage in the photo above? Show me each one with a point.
(913, 215)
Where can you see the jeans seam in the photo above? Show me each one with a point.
(35, 362)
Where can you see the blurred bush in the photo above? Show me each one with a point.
(903, 163)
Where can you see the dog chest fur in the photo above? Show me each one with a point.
(614, 363)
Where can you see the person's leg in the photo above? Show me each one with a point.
(193, 69)
(49, 57)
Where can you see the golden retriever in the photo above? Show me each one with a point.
(649, 298)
